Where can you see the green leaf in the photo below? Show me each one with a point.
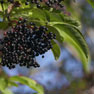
(39, 14)
(56, 50)
(3, 84)
(3, 25)
(91, 2)
(11, 83)
(29, 82)
(7, 91)
(59, 37)
(69, 29)
(74, 37)
(0, 59)
(69, 20)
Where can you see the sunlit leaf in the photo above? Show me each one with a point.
(11, 83)
(75, 38)
(56, 50)
(3, 84)
(29, 82)
(7, 91)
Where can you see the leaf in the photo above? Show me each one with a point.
(29, 82)
(75, 38)
(38, 13)
(56, 50)
(59, 37)
(0, 59)
(3, 84)
(59, 17)
(91, 2)
(7, 91)
(69, 29)
(69, 20)
(11, 83)
(3, 25)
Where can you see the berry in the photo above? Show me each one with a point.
(49, 3)
(38, 6)
(26, 3)
(43, 56)
(22, 44)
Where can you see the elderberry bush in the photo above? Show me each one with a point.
(23, 43)
(50, 3)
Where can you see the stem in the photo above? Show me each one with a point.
(8, 11)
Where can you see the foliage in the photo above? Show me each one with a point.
(66, 28)
(11, 81)
(91, 2)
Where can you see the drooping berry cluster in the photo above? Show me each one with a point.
(23, 43)
(3, 1)
(50, 3)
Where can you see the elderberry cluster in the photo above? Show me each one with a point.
(49, 3)
(23, 43)
(3, 1)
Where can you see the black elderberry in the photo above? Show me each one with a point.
(25, 20)
(19, 22)
(26, 3)
(31, 23)
(61, 6)
(54, 36)
(22, 44)
(49, 3)
(38, 6)
(43, 56)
